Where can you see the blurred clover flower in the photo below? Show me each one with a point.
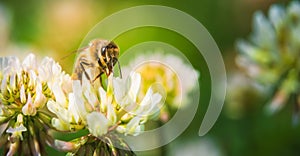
(105, 113)
(170, 72)
(271, 56)
(25, 89)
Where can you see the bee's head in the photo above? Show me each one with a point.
(112, 49)
(107, 54)
(105, 47)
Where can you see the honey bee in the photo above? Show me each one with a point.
(100, 57)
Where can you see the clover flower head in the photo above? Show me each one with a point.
(25, 88)
(115, 109)
(270, 56)
(176, 77)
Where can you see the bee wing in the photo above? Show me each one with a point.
(7, 61)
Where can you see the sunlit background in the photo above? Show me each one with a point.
(56, 28)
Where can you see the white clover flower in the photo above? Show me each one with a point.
(270, 56)
(17, 131)
(167, 70)
(104, 112)
(133, 127)
(33, 83)
(125, 94)
(25, 88)
(101, 111)
(98, 124)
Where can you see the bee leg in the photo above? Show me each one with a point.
(100, 79)
(98, 76)
(84, 71)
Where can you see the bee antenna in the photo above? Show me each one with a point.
(73, 52)
(119, 68)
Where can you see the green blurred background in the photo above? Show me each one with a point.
(56, 27)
